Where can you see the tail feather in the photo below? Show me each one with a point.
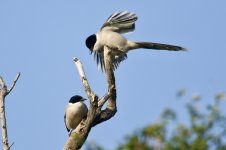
(158, 46)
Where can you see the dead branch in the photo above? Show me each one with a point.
(3, 93)
(95, 114)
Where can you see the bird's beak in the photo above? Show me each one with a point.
(83, 99)
(91, 51)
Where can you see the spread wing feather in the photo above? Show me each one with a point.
(118, 60)
(99, 57)
(121, 22)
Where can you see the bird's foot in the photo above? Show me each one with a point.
(69, 134)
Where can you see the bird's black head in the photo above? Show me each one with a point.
(90, 42)
(76, 98)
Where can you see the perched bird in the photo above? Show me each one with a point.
(76, 110)
(110, 35)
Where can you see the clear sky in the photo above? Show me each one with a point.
(39, 38)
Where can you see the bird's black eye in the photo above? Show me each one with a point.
(90, 42)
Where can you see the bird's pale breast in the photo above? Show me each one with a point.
(75, 113)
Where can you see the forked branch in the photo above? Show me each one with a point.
(3, 93)
(95, 114)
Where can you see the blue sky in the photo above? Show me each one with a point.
(40, 38)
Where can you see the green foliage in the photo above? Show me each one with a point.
(154, 131)
(206, 130)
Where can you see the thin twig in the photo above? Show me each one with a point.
(82, 74)
(103, 100)
(11, 145)
(14, 83)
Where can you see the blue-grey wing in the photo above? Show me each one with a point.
(99, 58)
(121, 22)
(65, 122)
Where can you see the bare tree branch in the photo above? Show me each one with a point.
(95, 114)
(83, 78)
(111, 108)
(11, 145)
(14, 82)
(3, 93)
(79, 135)
(103, 100)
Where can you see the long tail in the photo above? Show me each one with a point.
(158, 46)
